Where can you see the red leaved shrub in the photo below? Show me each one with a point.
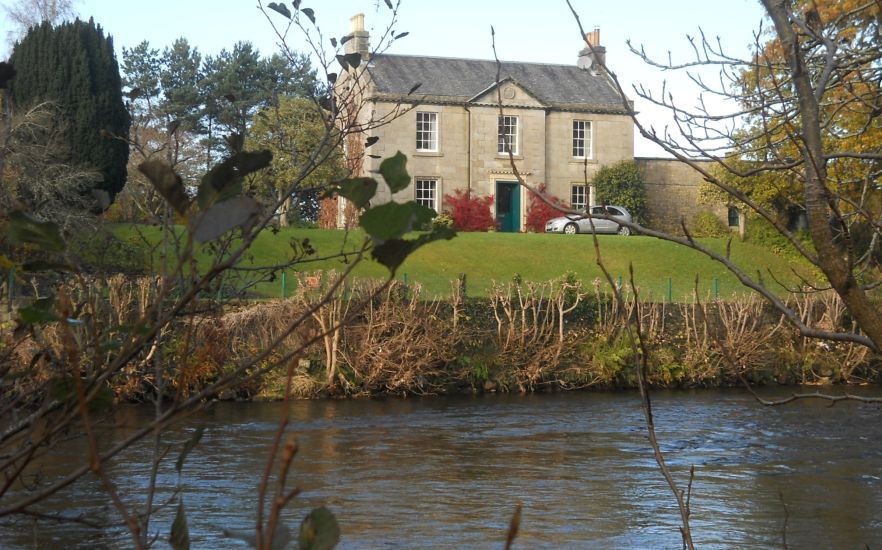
(539, 211)
(470, 212)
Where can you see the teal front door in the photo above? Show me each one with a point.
(508, 206)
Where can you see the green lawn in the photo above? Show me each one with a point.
(485, 257)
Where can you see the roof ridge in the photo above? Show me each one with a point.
(449, 58)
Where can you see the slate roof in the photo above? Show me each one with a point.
(454, 80)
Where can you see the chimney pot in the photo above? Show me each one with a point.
(357, 21)
(593, 55)
(360, 39)
(593, 37)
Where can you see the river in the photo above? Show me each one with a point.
(448, 472)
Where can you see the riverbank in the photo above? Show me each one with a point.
(524, 337)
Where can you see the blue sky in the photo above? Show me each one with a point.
(526, 30)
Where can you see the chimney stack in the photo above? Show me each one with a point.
(592, 61)
(360, 41)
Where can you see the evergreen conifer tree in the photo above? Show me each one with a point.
(74, 65)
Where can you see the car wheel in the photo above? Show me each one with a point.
(624, 230)
(571, 229)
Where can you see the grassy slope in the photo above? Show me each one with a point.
(485, 257)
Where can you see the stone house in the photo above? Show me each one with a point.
(561, 123)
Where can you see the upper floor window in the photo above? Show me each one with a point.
(426, 131)
(578, 197)
(582, 139)
(426, 192)
(508, 135)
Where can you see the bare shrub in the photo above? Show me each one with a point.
(401, 343)
(531, 343)
(824, 360)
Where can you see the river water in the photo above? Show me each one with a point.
(448, 472)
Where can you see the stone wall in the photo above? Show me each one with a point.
(672, 193)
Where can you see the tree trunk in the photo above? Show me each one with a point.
(284, 210)
(835, 264)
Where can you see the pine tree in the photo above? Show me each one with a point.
(74, 66)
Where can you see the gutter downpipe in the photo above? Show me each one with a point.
(468, 152)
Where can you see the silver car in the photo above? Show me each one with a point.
(574, 223)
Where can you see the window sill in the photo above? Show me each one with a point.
(428, 154)
(576, 160)
(504, 156)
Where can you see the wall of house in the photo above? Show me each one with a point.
(612, 141)
(545, 155)
(544, 148)
(449, 164)
(488, 166)
(672, 193)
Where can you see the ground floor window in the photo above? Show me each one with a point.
(426, 192)
(733, 216)
(579, 196)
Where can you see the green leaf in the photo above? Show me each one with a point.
(309, 13)
(392, 253)
(224, 181)
(223, 216)
(389, 4)
(319, 531)
(280, 8)
(392, 220)
(349, 61)
(180, 534)
(358, 190)
(167, 183)
(41, 310)
(189, 446)
(394, 171)
(353, 59)
(24, 229)
(401, 35)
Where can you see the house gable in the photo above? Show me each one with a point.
(512, 94)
